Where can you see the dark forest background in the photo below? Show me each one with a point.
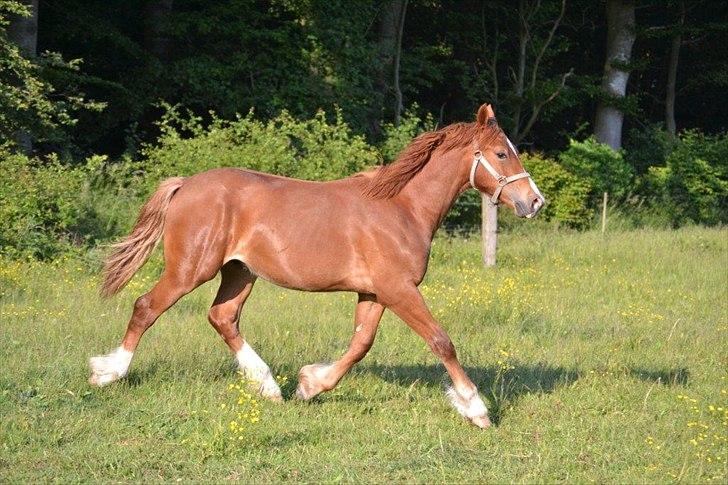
(303, 55)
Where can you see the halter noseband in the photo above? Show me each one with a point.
(501, 179)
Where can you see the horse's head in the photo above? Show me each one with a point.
(497, 171)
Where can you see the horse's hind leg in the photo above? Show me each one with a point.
(147, 308)
(237, 283)
(317, 378)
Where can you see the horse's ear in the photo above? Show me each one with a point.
(485, 114)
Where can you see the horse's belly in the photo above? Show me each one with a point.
(312, 269)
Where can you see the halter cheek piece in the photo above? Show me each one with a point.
(502, 180)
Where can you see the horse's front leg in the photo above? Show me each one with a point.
(316, 378)
(407, 303)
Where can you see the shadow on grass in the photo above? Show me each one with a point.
(161, 371)
(504, 388)
(499, 387)
(667, 377)
(139, 376)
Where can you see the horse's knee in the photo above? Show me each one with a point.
(441, 345)
(223, 321)
(142, 315)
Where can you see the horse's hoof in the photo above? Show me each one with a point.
(304, 390)
(309, 381)
(276, 398)
(100, 380)
(482, 422)
(271, 392)
(301, 393)
(108, 368)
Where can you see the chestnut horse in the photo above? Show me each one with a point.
(369, 234)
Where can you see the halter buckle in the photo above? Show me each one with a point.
(502, 180)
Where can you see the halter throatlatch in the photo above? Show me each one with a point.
(502, 180)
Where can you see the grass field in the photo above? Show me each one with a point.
(601, 359)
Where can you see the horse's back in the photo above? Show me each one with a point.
(274, 224)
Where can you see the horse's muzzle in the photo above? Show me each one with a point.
(529, 209)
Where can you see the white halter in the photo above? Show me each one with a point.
(501, 179)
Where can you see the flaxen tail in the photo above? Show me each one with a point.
(133, 251)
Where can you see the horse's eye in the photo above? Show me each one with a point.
(502, 155)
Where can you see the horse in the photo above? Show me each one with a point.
(370, 234)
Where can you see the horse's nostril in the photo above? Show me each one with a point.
(536, 205)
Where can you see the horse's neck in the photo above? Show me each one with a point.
(433, 191)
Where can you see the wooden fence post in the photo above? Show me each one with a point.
(489, 214)
(604, 212)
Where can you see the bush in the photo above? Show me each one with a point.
(601, 167)
(42, 205)
(693, 186)
(567, 194)
(310, 149)
(647, 147)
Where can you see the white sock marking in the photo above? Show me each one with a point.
(470, 407)
(110, 367)
(253, 367)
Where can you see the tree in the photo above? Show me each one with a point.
(156, 17)
(673, 58)
(31, 109)
(23, 28)
(620, 39)
(521, 97)
(391, 29)
(398, 105)
(23, 32)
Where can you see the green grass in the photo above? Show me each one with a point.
(601, 359)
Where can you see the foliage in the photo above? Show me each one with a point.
(48, 204)
(311, 149)
(305, 55)
(567, 194)
(29, 103)
(226, 57)
(647, 147)
(693, 185)
(41, 205)
(516, 48)
(601, 167)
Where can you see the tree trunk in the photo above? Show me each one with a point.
(156, 39)
(388, 28)
(23, 32)
(620, 38)
(490, 231)
(521, 75)
(398, 106)
(672, 75)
